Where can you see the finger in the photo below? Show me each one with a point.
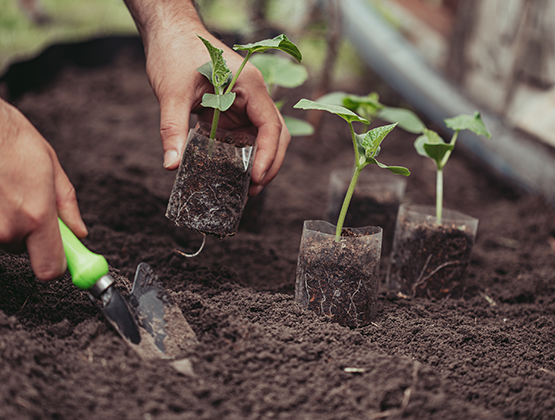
(46, 251)
(174, 125)
(66, 201)
(284, 140)
(265, 116)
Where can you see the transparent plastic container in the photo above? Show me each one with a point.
(375, 200)
(430, 259)
(211, 186)
(339, 280)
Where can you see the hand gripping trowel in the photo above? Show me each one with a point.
(147, 318)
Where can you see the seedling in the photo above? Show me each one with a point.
(369, 107)
(277, 71)
(221, 77)
(366, 147)
(431, 145)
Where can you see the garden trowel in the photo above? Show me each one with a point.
(147, 318)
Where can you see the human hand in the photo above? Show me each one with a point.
(174, 52)
(34, 190)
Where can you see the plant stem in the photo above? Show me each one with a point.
(243, 64)
(346, 202)
(215, 120)
(213, 131)
(216, 117)
(354, 139)
(439, 179)
(439, 195)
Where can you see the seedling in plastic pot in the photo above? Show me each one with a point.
(280, 71)
(366, 147)
(431, 145)
(221, 77)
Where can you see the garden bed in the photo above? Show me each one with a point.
(488, 355)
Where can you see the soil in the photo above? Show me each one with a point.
(211, 186)
(487, 355)
(339, 280)
(430, 260)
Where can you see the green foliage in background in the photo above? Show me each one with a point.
(69, 20)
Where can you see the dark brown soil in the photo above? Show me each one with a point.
(339, 279)
(212, 182)
(489, 355)
(430, 259)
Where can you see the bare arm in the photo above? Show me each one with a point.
(169, 31)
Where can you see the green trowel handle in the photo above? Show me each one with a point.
(85, 266)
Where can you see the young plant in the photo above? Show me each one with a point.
(281, 71)
(366, 147)
(221, 77)
(369, 107)
(431, 145)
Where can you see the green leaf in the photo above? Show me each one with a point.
(407, 120)
(419, 146)
(220, 71)
(221, 102)
(333, 98)
(372, 139)
(360, 147)
(298, 127)
(354, 101)
(431, 145)
(206, 71)
(280, 42)
(473, 123)
(280, 71)
(438, 151)
(341, 111)
(367, 106)
(398, 170)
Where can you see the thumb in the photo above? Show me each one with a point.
(174, 126)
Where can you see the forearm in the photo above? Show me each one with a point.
(154, 16)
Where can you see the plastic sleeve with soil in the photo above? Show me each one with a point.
(211, 186)
(430, 259)
(339, 280)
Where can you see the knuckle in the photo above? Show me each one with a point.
(67, 195)
(169, 130)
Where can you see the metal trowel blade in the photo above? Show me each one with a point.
(158, 316)
(115, 309)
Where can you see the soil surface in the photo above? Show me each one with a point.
(488, 355)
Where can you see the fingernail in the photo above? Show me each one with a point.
(263, 176)
(258, 189)
(169, 158)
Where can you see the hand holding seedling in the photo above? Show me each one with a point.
(34, 190)
(366, 147)
(174, 52)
